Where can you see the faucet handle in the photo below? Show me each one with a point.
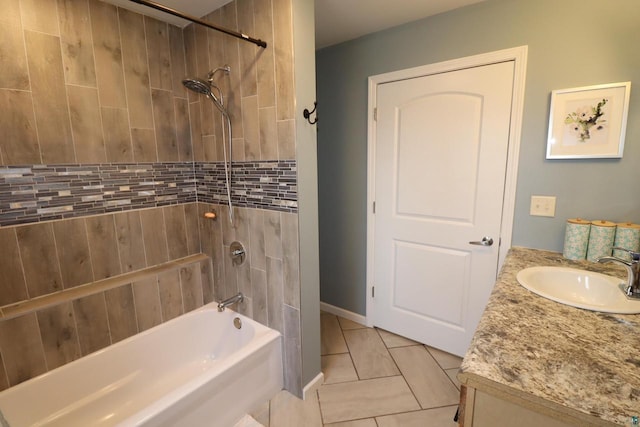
(635, 256)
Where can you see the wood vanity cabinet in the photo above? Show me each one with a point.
(496, 408)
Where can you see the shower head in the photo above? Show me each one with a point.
(198, 85)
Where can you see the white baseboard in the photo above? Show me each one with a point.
(312, 386)
(349, 315)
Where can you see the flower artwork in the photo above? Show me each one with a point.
(586, 120)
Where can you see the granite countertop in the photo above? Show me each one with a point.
(585, 362)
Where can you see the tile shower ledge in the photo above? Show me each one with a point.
(23, 307)
(560, 360)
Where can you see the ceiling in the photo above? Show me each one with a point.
(336, 20)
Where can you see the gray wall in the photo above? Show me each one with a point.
(571, 43)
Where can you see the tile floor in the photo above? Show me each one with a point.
(373, 378)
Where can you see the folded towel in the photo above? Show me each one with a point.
(248, 421)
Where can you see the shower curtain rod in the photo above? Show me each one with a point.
(174, 12)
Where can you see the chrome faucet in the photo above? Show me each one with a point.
(229, 301)
(632, 289)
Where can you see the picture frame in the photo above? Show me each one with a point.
(588, 122)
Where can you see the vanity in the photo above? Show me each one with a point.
(537, 362)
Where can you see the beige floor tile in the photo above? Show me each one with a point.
(332, 341)
(444, 359)
(261, 414)
(289, 411)
(440, 417)
(370, 356)
(349, 324)
(368, 422)
(338, 368)
(393, 340)
(431, 386)
(453, 374)
(365, 399)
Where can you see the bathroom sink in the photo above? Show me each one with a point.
(579, 288)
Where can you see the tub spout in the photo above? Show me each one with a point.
(229, 301)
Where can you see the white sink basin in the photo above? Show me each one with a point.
(578, 288)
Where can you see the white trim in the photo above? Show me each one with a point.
(519, 56)
(346, 314)
(312, 386)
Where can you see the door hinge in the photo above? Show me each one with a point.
(375, 114)
(373, 292)
(374, 207)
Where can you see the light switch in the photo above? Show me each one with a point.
(543, 206)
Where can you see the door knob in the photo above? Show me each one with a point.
(486, 241)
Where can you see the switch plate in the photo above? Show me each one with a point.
(543, 206)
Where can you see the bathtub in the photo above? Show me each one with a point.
(195, 370)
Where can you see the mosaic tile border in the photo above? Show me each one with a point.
(34, 193)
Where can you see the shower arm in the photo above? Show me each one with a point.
(193, 19)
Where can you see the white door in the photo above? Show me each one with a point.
(441, 144)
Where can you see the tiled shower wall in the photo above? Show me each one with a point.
(89, 86)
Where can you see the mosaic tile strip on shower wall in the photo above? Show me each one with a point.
(266, 184)
(45, 192)
(35, 193)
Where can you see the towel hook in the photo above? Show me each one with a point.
(307, 114)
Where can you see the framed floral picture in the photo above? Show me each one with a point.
(588, 122)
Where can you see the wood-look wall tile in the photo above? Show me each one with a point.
(248, 51)
(272, 234)
(259, 296)
(49, 97)
(170, 294)
(73, 252)
(202, 51)
(290, 259)
(275, 294)
(183, 129)
(121, 313)
(108, 54)
(40, 15)
(292, 351)
(86, 124)
(176, 227)
(130, 242)
(59, 335)
(251, 121)
(136, 70)
(209, 147)
(4, 381)
(231, 53)
(19, 144)
(228, 287)
(39, 259)
(144, 145)
(22, 350)
(208, 288)
(117, 135)
(283, 46)
(165, 125)
(103, 244)
(147, 300)
(178, 61)
(191, 284)
(75, 36)
(228, 230)
(92, 323)
(238, 149)
(157, 34)
(154, 236)
(256, 236)
(196, 132)
(208, 115)
(14, 72)
(14, 288)
(268, 134)
(192, 228)
(190, 49)
(263, 16)
(286, 140)
(243, 271)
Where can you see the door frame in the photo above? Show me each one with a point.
(516, 54)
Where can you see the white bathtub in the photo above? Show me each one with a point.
(195, 370)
